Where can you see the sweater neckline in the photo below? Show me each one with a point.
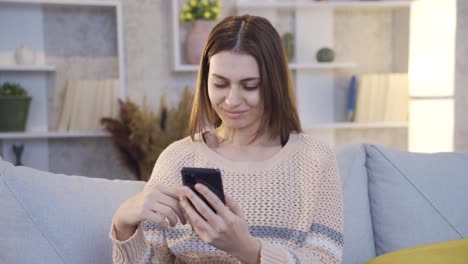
(219, 160)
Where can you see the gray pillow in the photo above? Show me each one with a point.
(358, 234)
(416, 198)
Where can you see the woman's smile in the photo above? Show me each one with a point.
(234, 114)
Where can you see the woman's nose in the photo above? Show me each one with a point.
(233, 98)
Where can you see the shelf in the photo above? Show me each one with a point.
(112, 3)
(351, 125)
(321, 66)
(329, 4)
(45, 135)
(32, 68)
(292, 66)
(186, 68)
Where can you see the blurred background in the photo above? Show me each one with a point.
(388, 72)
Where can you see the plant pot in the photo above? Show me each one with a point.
(196, 38)
(14, 113)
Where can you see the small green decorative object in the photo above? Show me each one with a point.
(325, 55)
(288, 42)
(14, 107)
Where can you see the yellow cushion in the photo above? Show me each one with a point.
(450, 252)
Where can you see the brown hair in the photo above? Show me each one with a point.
(254, 36)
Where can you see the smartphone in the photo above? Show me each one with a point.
(209, 177)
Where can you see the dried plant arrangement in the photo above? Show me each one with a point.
(140, 135)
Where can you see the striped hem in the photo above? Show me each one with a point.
(325, 244)
(271, 255)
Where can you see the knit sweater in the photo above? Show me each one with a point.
(291, 201)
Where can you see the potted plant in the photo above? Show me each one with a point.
(140, 135)
(14, 107)
(202, 14)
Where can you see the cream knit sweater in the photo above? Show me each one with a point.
(292, 202)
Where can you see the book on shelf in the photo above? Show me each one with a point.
(65, 116)
(382, 98)
(352, 95)
(86, 102)
(398, 107)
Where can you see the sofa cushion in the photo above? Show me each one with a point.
(358, 234)
(416, 198)
(53, 218)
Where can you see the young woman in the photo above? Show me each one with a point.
(283, 194)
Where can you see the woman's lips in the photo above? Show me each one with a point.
(233, 114)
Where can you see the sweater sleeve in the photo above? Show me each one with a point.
(323, 242)
(148, 243)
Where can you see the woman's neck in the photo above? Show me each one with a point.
(242, 138)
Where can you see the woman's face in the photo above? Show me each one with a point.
(233, 88)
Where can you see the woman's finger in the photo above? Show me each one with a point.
(156, 218)
(168, 190)
(233, 206)
(212, 199)
(197, 221)
(167, 212)
(203, 209)
(172, 203)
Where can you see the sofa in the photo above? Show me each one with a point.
(392, 200)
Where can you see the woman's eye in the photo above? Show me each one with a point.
(220, 85)
(250, 87)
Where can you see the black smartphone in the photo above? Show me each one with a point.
(209, 177)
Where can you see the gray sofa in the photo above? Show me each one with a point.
(393, 200)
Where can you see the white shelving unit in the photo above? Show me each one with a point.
(315, 81)
(51, 135)
(21, 68)
(351, 125)
(322, 66)
(35, 77)
(291, 5)
(97, 3)
(292, 66)
(180, 66)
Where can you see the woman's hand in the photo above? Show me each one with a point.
(159, 205)
(226, 230)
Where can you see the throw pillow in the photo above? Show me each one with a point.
(453, 252)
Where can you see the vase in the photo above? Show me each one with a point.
(25, 56)
(195, 41)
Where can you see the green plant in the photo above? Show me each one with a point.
(12, 89)
(140, 135)
(200, 9)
